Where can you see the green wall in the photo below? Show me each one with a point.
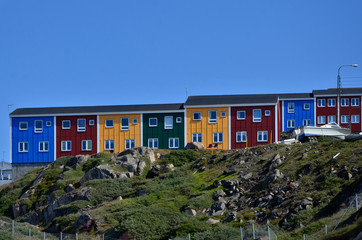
(160, 132)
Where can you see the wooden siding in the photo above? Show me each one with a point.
(74, 136)
(299, 113)
(119, 136)
(208, 129)
(267, 124)
(161, 133)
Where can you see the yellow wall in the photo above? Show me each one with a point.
(119, 136)
(207, 129)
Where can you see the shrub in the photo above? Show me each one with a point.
(62, 161)
(91, 163)
(180, 157)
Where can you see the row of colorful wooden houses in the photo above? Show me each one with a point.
(40, 135)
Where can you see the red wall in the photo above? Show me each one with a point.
(267, 124)
(76, 137)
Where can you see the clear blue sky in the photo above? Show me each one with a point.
(76, 53)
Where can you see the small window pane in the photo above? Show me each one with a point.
(66, 124)
(152, 122)
(109, 123)
(23, 126)
(125, 123)
(168, 122)
(197, 116)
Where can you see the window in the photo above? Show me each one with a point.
(321, 119)
(168, 122)
(256, 115)
(66, 124)
(355, 101)
(173, 143)
(66, 146)
(152, 122)
(321, 102)
(291, 123)
(48, 123)
(344, 102)
(125, 123)
(23, 147)
(43, 146)
(91, 122)
(38, 126)
(178, 119)
(307, 122)
(212, 116)
(135, 121)
(241, 137)
(86, 145)
(218, 137)
(262, 136)
(331, 102)
(290, 107)
(267, 113)
(153, 143)
(345, 119)
(222, 114)
(109, 123)
(109, 144)
(331, 119)
(130, 143)
(23, 126)
(81, 125)
(306, 106)
(355, 119)
(197, 137)
(197, 116)
(240, 115)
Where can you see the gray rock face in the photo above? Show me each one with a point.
(84, 221)
(190, 212)
(218, 206)
(77, 160)
(212, 221)
(100, 172)
(194, 145)
(132, 159)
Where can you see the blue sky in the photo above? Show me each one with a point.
(78, 53)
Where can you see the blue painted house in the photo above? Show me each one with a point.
(297, 110)
(32, 140)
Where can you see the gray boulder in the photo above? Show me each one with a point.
(133, 159)
(194, 145)
(77, 160)
(100, 172)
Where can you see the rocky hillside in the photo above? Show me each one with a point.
(142, 194)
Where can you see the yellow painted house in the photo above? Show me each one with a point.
(208, 125)
(119, 132)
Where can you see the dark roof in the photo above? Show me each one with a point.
(331, 91)
(242, 99)
(98, 109)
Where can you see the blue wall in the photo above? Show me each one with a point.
(33, 155)
(299, 113)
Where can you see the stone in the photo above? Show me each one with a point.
(84, 221)
(77, 160)
(247, 176)
(306, 202)
(154, 172)
(218, 194)
(218, 206)
(194, 145)
(119, 198)
(212, 221)
(131, 159)
(229, 171)
(99, 172)
(69, 188)
(190, 212)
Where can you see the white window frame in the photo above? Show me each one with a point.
(48, 123)
(267, 113)
(110, 142)
(179, 120)
(91, 122)
(238, 117)
(254, 118)
(64, 122)
(291, 107)
(149, 122)
(23, 129)
(290, 123)
(345, 119)
(330, 118)
(130, 142)
(135, 121)
(242, 135)
(321, 102)
(22, 148)
(212, 120)
(43, 146)
(223, 114)
(79, 128)
(168, 126)
(355, 119)
(307, 122)
(196, 136)
(66, 146)
(218, 134)
(320, 118)
(174, 141)
(354, 102)
(306, 106)
(262, 134)
(124, 127)
(87, 145)
(196, 114)
(331, 102)
(109, 125)
(344, 102)
(38, 130)
(151, 143)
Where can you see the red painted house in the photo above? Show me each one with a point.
(346, 112)
(76, 135)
